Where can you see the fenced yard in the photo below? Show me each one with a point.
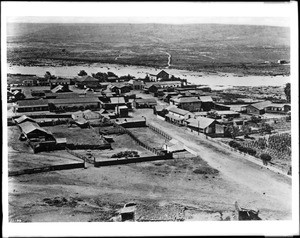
(76, 135)
(149, 137)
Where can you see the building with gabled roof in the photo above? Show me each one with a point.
(257, 108)
(32, 130)
(177, 116)
(202, 124)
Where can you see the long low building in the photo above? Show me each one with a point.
(32, 105)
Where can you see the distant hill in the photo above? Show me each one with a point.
(191, 45)
(194, 33)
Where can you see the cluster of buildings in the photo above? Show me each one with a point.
(193, 106)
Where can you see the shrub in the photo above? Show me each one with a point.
(125, 154)
(234, 144)
(266, 157)
(251, 151)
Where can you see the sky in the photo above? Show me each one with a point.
(251, 13)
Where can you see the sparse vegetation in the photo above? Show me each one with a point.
(126, 154)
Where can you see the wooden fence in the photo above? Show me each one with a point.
(110, 162)
(84, 158)
(46, 169)
(138, 141)
(155, 129)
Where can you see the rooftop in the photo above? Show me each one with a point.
(186, 100)
(28, 127)
(117, 100)
(23, 118)
(261, 105)
(145, 100)
(205, 99)
(31, 103)
(74, 100)
(201, 122)
(177, 110)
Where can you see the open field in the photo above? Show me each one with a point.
(205, 47)
(76, 135)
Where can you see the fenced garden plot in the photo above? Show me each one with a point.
(149, 137)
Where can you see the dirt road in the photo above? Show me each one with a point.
(274, 187)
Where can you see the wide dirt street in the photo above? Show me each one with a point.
(267, 189)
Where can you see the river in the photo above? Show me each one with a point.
(214, 80)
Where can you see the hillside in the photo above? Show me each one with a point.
(195, 46)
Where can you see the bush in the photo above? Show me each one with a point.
(266, 157)
(251, 151)
(234, 144)
(125, 154)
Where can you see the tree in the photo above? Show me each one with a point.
(82, 73)
(233, 131)
(287, 91)
(48, 75)
(266, 158)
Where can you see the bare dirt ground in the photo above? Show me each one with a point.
(21, 155)
(76, 135)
